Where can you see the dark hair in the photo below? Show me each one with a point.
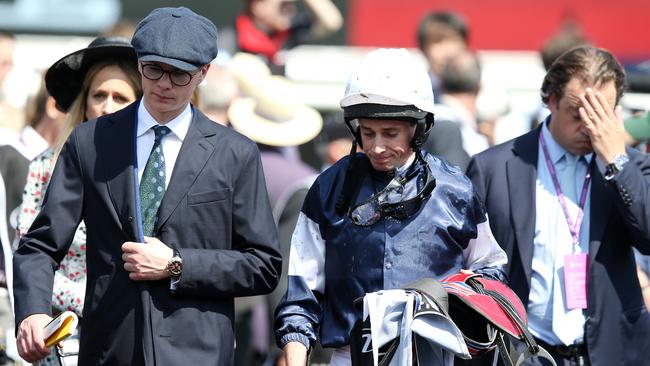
(439, 25)
(5, 34)
(592, 65)
(569, 37)
(462, 74)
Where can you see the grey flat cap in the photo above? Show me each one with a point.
(176, 36)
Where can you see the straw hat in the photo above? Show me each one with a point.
(250, 71)
(275, 116)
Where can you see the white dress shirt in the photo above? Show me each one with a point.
(171, 144)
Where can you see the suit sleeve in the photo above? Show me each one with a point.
(46, 242)
(253, 264)
(632, 188)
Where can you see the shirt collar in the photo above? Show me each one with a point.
(555, 150)
(179, 125)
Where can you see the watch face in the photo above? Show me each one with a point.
(175, 267)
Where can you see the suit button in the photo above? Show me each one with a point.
(129, 219)
(388, 265)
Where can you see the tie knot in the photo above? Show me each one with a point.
(160, 131)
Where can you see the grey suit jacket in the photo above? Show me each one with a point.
(215, 212)
(618, 325)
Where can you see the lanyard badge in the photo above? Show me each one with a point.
(576, 264)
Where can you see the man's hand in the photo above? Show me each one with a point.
(146, 261)
(295, 354)
(604, 125)
(30, 342)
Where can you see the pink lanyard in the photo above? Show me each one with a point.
(573, 229)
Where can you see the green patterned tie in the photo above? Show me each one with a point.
(152, 185)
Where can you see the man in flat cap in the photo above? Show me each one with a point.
(177, 215)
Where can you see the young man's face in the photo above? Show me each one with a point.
(164, 99)
(386, 142)
(566, 125)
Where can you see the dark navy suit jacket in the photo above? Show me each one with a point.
(215, 212)
(618, 326)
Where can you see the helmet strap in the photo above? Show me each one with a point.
(351, 183)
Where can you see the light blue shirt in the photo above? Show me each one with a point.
(552, 241)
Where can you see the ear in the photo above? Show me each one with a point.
(204, 72)
(553, 103)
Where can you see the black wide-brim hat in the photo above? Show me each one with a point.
(65, 77)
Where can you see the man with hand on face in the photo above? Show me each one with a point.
(568, 202)
(379, 219)
(177, 215)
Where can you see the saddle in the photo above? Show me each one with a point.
(485, 311)
(480, 311)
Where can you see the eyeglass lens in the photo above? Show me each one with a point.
(177, 77)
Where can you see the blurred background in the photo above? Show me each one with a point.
(507, 34)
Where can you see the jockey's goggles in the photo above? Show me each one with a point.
(394, 200)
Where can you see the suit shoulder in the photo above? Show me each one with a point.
(222, 135)
(505, 150)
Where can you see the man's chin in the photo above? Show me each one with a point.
(381, 166)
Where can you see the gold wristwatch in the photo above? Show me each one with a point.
(175, 265)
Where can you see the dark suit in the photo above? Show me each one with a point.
(445, 140)
(215, 212)
(618, 326)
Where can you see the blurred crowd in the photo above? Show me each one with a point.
(248, 92)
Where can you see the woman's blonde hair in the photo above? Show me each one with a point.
(77, 112)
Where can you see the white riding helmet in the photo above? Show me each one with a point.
(389, 76)
(390, 83)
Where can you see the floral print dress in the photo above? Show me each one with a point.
(70, 278)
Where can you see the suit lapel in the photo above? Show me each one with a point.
(116, 150)
(195, 152)
(521, 173)
(599, 211)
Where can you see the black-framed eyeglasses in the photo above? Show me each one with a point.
(383, 204)
(177, 77)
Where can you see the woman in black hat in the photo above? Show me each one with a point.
(87, 84)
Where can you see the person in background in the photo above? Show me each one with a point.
(441, 35)
(637, 129)
(217, 92)
(461, 82)
(517, 123)
(334, 142)
(43, 124)
(568, 202)
(265, 27)
(98, 80)
(176, 213)
(276, 119)
(382, 218)
(11, 119)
